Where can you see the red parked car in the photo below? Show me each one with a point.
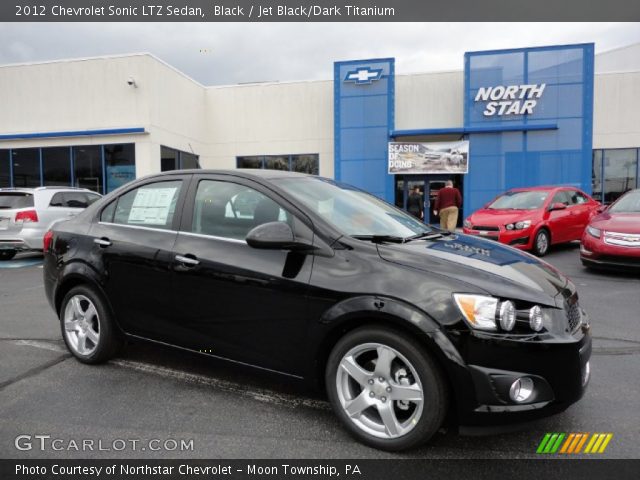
(612, 238)
(534, 218)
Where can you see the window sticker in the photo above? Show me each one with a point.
(152, 205)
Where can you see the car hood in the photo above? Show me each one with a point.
(499, 217)
(617, 222)
(489, 266)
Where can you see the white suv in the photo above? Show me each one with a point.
(27, 213)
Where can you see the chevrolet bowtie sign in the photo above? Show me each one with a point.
(510, 99)
(363, 75)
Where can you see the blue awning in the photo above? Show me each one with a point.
(73, 133)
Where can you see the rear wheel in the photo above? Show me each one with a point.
(541, 243)
(87, 326)
(7, 254)
(385, 389)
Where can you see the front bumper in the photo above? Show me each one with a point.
(521, 239)
(595, 252)
(557, 367)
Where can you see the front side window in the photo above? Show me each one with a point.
(562, 197)
(350, 210)
(230, 210)
(152, 205)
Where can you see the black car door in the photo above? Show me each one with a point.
(132, 249)
(235, 301)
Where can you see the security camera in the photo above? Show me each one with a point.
(131, 82)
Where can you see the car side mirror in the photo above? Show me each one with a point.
(276, 236)
(557, 206)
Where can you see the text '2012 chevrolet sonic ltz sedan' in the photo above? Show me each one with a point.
(402, 324)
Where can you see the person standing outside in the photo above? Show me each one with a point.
(448, 203)
(415, 205)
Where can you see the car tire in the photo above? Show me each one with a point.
(368, 406)
(541, 242)
(7, 254)
(87, 326)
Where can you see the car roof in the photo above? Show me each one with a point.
(543, 188)
(242, 172)
(47, 188)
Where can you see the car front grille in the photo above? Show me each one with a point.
(631, 240)
(485, 228)
(574, 315)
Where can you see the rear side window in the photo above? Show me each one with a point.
(230, 210)
(152, 205)
(9, 200)
(73, 199)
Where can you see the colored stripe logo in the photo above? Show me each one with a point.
(573, 443)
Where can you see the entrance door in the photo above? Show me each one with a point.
(429, 186)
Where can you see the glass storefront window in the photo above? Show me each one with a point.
(5, 172)
(249, 162)
(620, 172)
(596, 175)
(87, 162)
(172, 159)
(26, 167)
(56, 166)
(303, 163)
(188, 160)
(168, 159)
(120, 164)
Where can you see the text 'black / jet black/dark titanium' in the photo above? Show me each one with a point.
(404, 325)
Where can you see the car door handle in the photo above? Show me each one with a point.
(103, 242)
(188, 260)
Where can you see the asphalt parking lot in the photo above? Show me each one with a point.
(153, 393)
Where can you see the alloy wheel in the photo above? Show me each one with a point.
(542, 243)
(81, 325)
(379, 390)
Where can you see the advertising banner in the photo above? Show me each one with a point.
(432, 157)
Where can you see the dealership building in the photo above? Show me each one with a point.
(528, 116)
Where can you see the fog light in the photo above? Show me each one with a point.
(535, 318)
(586, 374)
(521, 390)
(507, 316)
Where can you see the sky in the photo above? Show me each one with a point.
(230, 53)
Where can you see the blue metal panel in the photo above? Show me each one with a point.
(363, 118)
(530, 155)
(76, 133)
(519, 127)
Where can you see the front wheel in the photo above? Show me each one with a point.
(7, 254)
(87, 326)
(385, 389)
(541, 243)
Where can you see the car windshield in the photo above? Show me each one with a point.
(15, 200)
(629, 203)
(352, 211)
(527, 200)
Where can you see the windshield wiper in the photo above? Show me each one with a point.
(427, 236)
(381, 238)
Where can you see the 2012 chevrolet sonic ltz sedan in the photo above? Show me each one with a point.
(402, 324)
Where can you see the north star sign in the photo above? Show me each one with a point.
(510, 100)
(363, 75)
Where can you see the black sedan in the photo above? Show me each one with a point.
(404, 325)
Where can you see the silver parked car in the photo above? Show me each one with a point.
(27, 213)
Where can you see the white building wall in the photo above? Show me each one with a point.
(616, 122)
(270, 119)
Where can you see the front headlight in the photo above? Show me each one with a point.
(523, 224)
(509, 226)
(482, 312)
(467, 224)
(594, 232)
(478, 310)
